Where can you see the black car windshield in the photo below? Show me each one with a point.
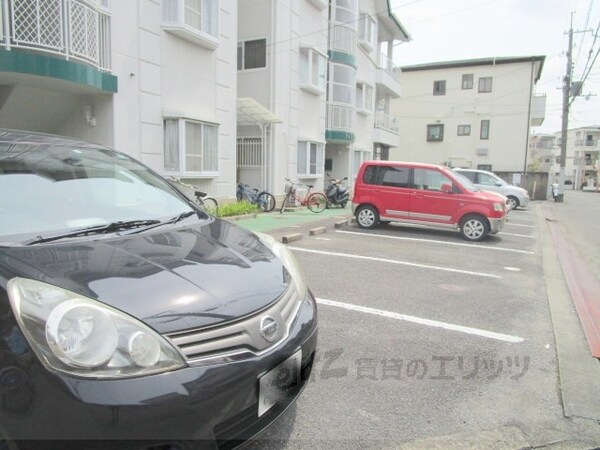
(48, 189)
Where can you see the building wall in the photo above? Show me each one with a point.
(578, 145)
(287, 27)
(163, 75)
(506, 107)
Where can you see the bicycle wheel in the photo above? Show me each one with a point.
(209, 204)
(265, 202)
(317, 202)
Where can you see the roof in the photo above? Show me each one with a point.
(250, 112)
(416, 165)
(491, 61)
(392, 23)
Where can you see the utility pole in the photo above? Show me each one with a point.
(565, 113)
(565, 118)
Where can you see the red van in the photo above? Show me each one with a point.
(425, 194)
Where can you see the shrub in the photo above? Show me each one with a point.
(237, 209)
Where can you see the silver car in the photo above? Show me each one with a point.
(489, 181)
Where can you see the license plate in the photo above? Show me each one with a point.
(277, 384)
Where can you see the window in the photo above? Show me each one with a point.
(312, 70)
(194, 20)
(190, 147)
(429, 180)
(310, 158)
(364, 98)
(487, 180)
(485, 84)
(467, 81)
(393, 176)
(435, 133)
(485, 129)
(387, 176)
(252, 54)
(469, 175)
(439, 87)
(367, 31)
(487, 167)
(345, 11)
(464, 130)
(343, 85)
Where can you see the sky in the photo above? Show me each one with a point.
(447, 30)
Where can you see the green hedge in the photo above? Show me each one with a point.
(237, 209)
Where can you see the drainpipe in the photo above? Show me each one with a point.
(529, 117)
(6, 24)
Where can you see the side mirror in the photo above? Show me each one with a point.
(498, 183)
(345, 178)
(447, 188)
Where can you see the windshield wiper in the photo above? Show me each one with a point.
(96, 229)
(177, 218)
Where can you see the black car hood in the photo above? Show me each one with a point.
(173, 277)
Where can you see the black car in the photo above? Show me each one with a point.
(128, 316)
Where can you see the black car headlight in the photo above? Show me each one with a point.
(75, 334)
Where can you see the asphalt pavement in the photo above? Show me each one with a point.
(427, 341)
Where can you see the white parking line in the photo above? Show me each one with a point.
(519, 225)
(487, 247)
(517, 235)
(421, 321)
(394, 261)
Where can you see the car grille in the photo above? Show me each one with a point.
(241, 339)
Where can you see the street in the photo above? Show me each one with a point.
(425, 336)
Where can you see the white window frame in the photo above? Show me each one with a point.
(305, 146)
(174, 21)
(181, 150)
(364, 98)
(307, 81)
(350, 87)
(241, 45)
(367, 32)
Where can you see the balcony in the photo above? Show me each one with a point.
(386, 129)
(387, 77)
(339, 123)
(72, 29)
(342, 45)
(538, 110)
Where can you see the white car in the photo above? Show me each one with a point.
(489, 181)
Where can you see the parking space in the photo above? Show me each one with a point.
(423, 334)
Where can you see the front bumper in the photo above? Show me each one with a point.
(523, 200)
(496, 225)
(208, 404)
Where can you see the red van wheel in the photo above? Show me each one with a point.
(474, 227)
(367, 217)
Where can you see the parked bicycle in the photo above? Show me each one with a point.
(264, 200)
(316, 201)
(204, 202)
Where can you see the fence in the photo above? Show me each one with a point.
(536, 183)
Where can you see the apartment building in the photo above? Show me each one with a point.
(209, 91)
(473, 113)
(154, 79)
(542, 152)
(583, 157)
(323, 74)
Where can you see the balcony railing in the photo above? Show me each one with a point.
(343, 39)
(71, 28)
(386, 63)
(386, 122)
(339, 117)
